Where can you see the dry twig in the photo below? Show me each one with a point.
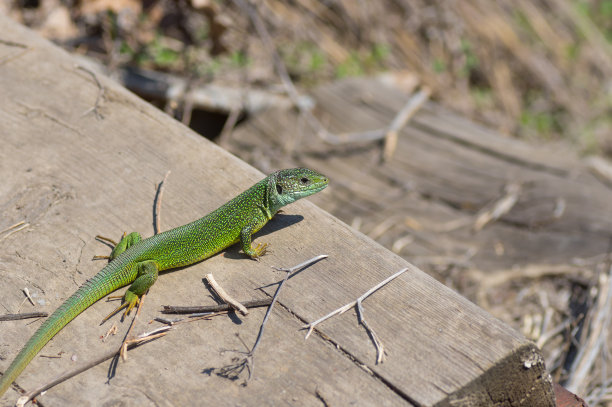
(235, 111)
(127, 339)
(128, 342)
(229, 124)
(234, 370)
(156, 217)
(26, 315)
(171, 309)
(141, 339)
(500, 207)
(225, 296)
(99, 96)
(111, 331)
(157, 208)
(14, 228)
(410, 108)
(601, 167)
(27, 294)
(11, 57)
(379, 347)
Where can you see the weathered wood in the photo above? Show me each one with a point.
(72, 174)
(444, 170)
(424, 203)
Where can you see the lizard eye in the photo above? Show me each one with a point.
(304, 181)
(279, 189)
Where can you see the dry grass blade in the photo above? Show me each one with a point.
(595, 342)
(14, 229)
(500, 207)
(487, 280)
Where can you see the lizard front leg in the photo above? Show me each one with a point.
(147, 275)
(247, 248)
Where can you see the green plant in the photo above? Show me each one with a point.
(471, 60)
(239, 59)
(358, 64)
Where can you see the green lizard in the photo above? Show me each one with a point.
(138, 261)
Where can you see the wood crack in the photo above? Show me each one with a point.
(344, 352)
(510, 159)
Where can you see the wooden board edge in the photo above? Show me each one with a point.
(524, 369)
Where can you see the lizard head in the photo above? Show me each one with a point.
(287, 186)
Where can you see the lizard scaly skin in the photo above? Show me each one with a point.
(138, 261)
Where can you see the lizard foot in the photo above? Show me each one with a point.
(259, 250)
(130, 300)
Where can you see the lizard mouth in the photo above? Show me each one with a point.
(314, 189)
(321, 187)
(295, 195)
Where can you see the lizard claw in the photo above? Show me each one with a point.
(130, 301)
(259, 250)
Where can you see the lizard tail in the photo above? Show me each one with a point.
(90, 292)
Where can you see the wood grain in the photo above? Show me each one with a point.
(73, 175)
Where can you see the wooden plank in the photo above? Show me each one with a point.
(71, 175)
(424, 202)
(445, 169)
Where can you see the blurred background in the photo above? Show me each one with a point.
(531, 69)
(506, 211)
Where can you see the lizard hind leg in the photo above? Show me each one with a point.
(147, 275)
(125, 243)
